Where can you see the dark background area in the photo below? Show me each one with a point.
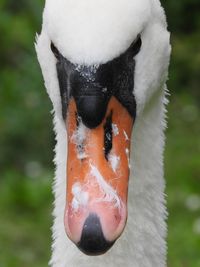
(27, 141)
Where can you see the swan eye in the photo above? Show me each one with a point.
(136, 45)
(55, 51)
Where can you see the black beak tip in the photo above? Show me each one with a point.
(93, 242)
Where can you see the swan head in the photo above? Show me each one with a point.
(101, 61)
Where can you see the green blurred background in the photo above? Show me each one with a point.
(26, 138)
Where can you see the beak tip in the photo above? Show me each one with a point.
(93, 242)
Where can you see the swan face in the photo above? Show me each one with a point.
(101, 62)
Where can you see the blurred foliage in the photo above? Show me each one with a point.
(26, 137)
(25, 109)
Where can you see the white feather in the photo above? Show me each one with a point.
(109, 194)
(114, 161)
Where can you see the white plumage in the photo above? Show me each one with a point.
(94, 32)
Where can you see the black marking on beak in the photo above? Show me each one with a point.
(108, 135)
(91, 109)
(93, 86)
(80, 145)
(92, 240)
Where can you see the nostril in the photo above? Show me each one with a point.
(92, 240)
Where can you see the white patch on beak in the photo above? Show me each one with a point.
(114, 161)
(115, 129)
(126, 136)
(80, 197)
(110, 194)
(78, 138)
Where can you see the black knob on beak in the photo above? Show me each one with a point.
(91, 109)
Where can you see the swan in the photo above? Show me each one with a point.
(105, 66)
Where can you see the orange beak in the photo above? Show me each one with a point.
(97, 178)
